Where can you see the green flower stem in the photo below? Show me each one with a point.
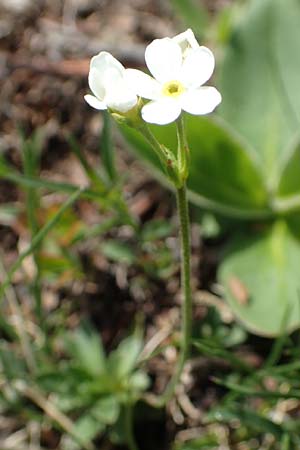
(183, 212)
(147, 133)
(166, 157)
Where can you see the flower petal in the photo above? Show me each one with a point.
(119, 97)
(94, 102)
(186, 40)
(164, 58)
(142, 84)
(161, 111)
(197, 67)
(105, 70)
(200, 101)
(96, 84)
(105, 60)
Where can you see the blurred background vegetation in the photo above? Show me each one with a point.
(89, 259)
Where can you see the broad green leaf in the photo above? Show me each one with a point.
(260, 274)
(289, 183)
(287, 199)
(260, 80)
(86, 347)
(223, 174)
(193, 13)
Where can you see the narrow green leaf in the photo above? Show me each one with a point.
(87, 427)
(10, 174)
(89, 170)
(107, 148)
(156, 229)
(247, 417)
(85, 344)
(106, 410)
(213, 350)
(254, 392)
(31, 154)
(123, 360)
(110, 199)
(118, 251)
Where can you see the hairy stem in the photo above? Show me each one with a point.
(183, 213)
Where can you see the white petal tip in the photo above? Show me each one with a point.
(161, 112)
(201, 101)
(94, 102)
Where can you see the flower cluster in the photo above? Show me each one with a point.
(179, 67)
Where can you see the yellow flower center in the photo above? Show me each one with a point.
(173, 88)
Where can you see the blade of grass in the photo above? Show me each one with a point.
(96, 230)
(278, 346)
(248, 418)
(38, 238)
(91, 173)
(285, 442)
(248, 391)
(107, 149)
(109, 200)
(31, 152)
(19, 323)
(12, 175)
(224, 354)
(280, 370)
(112, 184)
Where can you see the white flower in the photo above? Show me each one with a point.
(108, 84)
(186, 40)
(179, 67)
